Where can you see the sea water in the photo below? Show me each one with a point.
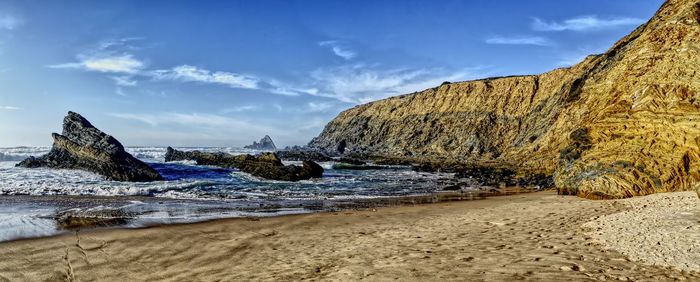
(29, 198)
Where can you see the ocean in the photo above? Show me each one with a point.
(30, 198)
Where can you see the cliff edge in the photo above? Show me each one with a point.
(619, 124)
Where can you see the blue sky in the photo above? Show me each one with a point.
(225, 73)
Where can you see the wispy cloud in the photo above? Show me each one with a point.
(348, 83)
(338, 49)
(119, 92)
(9, 22)
(195, 74)
(519, 40)
(575, 56)
(10, 108)
(125, 63)
(360, 83)
(193, 119)
(124, 80)
(584, 23)
(199, 123)
(239, 109)
(283, 88)
(219, 129)
(124, 43)
(320, 106)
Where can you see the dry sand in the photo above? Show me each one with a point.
(661, 229)
(538, 236)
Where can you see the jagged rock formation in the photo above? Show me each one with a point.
(616, 125)
(266, 165)
(265, 144)
(82, 146)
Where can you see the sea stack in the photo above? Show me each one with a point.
(265, 144)
(619, 124)
(84, 147)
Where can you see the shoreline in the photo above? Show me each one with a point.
(534, 236)
(45, 216)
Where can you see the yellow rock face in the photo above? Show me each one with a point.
(617, 125)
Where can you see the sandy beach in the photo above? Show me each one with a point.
(537, 236)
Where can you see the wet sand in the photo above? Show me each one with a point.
(536, 236)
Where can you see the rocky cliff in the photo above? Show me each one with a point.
(82, 146)
(616, 125)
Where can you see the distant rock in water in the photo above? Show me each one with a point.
(82, 146)
(265, 144)
(266, 165)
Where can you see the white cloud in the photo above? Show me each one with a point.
(208, 126)
(584, 23)
(320, 106)
(125, 63)
(191, 129)
(573, 57)
(278, 87)
(519, 40)
(10, 108)
(339, 50)
(118, 43)
(239, 109)
(191, 119)
(124, 81)
(360, 83)
(119, 91)
(9, 22)
(571, 60)
(195, 74)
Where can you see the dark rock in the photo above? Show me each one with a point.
(391, 161)
(580, 142)
(265, 165)
(75, 220)
(265, 144)
(539, 179)
(300, 154)
(489, 176)
(351, 161)
(452, 188)
(313, 169)
(438, 167)
(82, 146)
(341, 147)
(346, 166)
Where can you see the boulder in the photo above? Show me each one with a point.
(265, 165)
(265, 144)
(84, 147)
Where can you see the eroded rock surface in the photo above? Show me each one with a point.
(265, 165)
(84, 147)
(616, 125)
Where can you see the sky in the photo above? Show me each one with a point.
(226, 73)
